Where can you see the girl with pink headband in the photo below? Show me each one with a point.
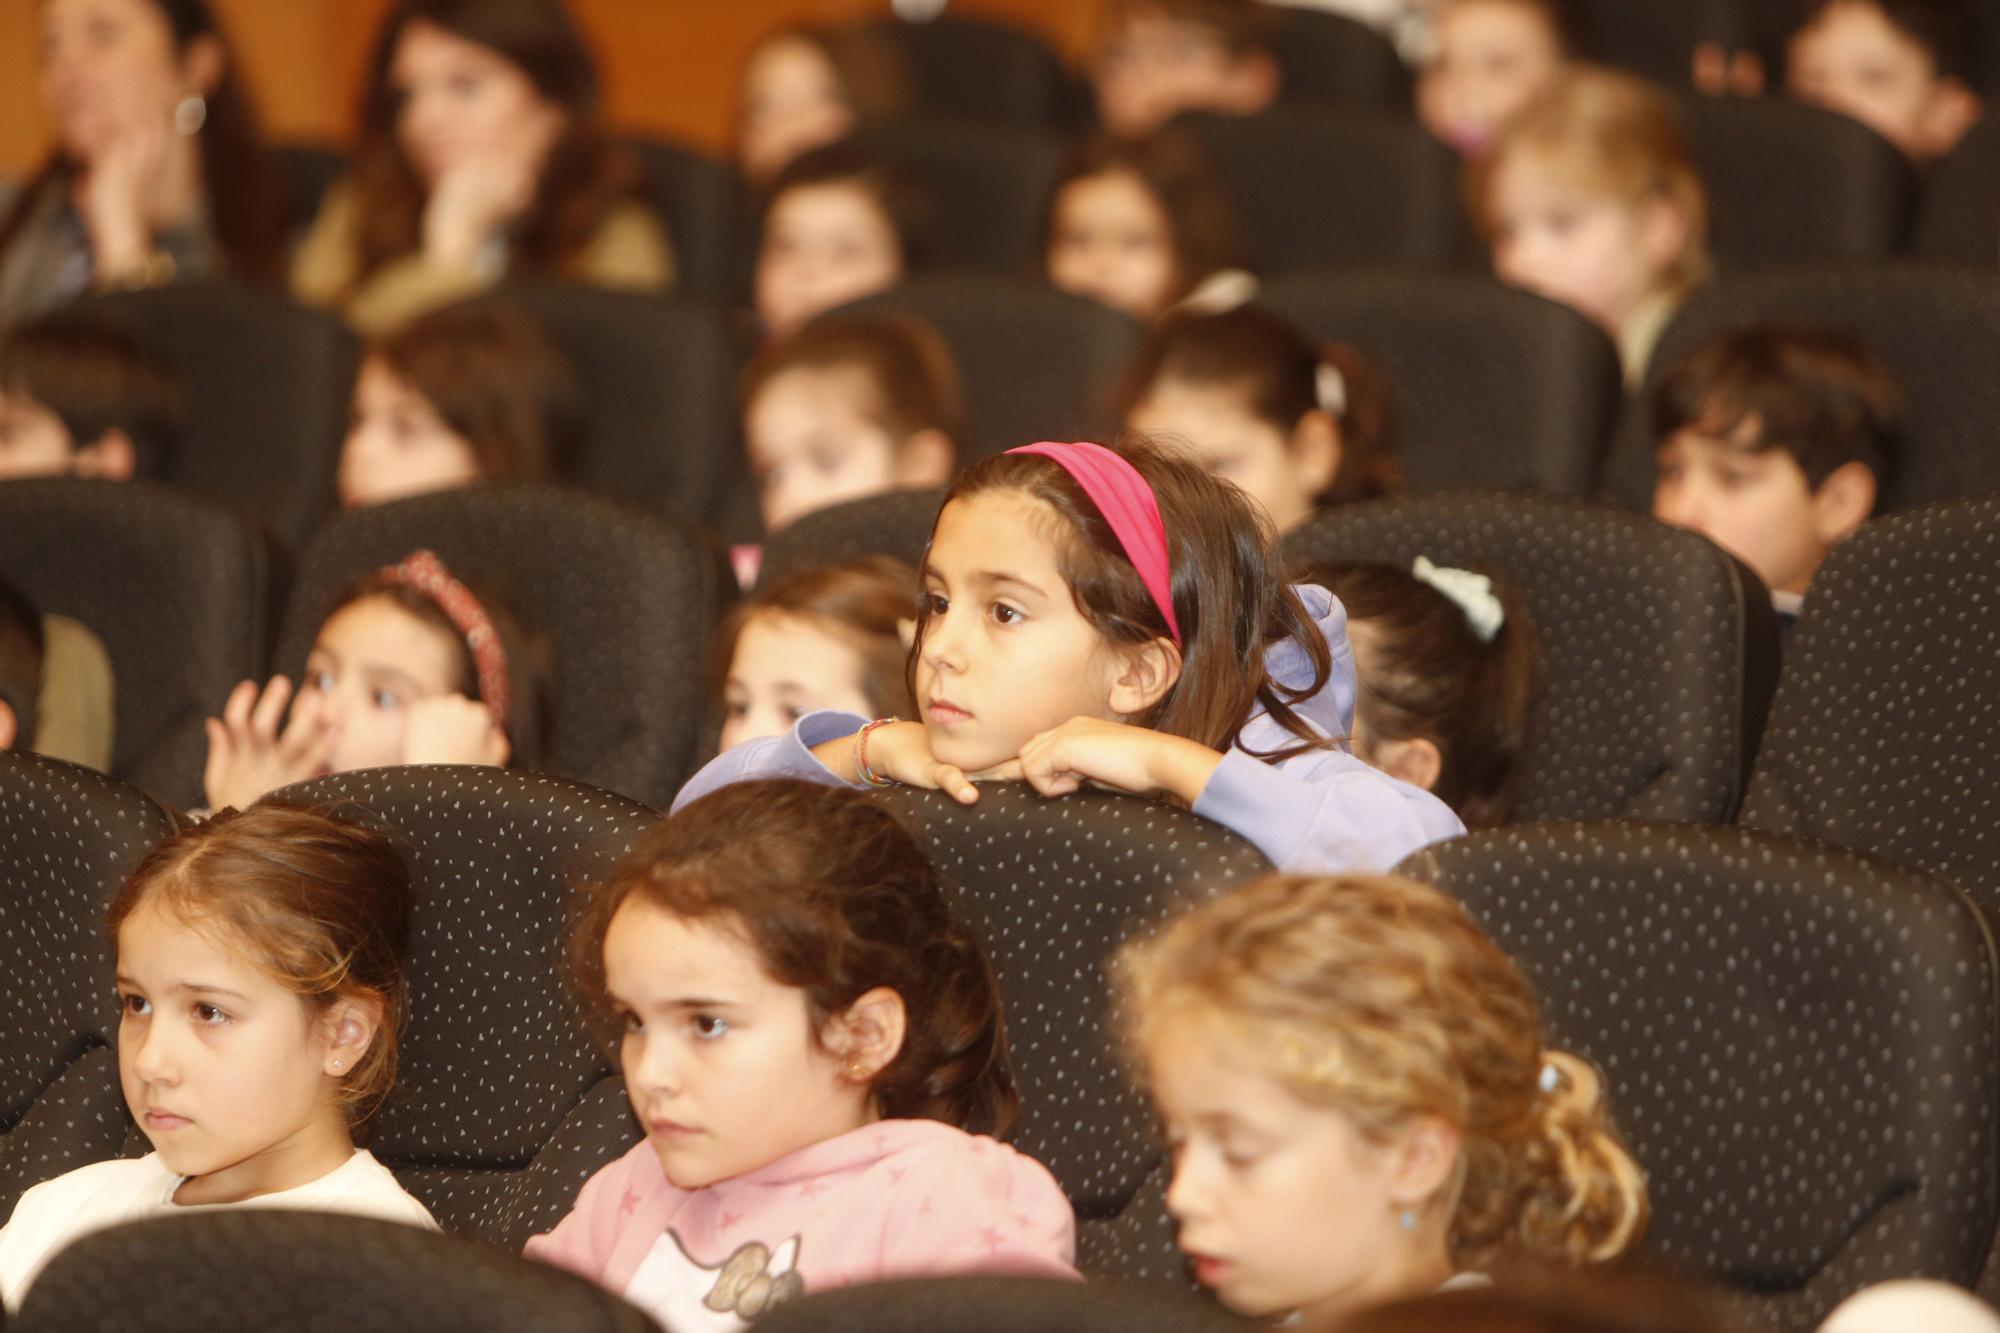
(1117, 616)
(410, 667)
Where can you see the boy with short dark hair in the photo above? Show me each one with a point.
(1904, 68)
(1775, 441)
(1154, 59)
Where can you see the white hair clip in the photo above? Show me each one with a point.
(1330, 387)
(1551, 1078)
(1472, 592)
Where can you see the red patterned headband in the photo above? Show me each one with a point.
(423, 571)
(1129, 506)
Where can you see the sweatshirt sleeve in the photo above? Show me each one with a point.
(1324, 812)
(786, 756)
(981, 1208)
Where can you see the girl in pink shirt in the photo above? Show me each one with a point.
(815, 1049)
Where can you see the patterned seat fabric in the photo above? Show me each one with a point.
(1495, 389)
(1799, 1043)
(1659, 651)
(1960, 222)
(249, 1270)
(1885, 736)
(178, 590)
(1053, 887)
(625, 602)
(503, 1105)
(897, 524)
(68, 839)
(999, 1305)
(985, 189)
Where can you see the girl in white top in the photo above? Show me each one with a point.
(260, 987)
(1359, 1106)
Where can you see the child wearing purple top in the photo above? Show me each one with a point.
(1115, 616)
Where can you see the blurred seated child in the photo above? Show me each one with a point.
(410, 667)
(57, 693)
(1154, 59)
(851, 406)
(1449, 672)
(1590, 197)
(1295, 426)
(831, 637)
(1775, 441)
(1904, 68)
(838, 226)
(1490, 58)
(467, 393)
(81, 395)
(1143, 226)
(807, 86)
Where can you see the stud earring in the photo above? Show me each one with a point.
(1408, 1219)
(336, 1066)
(190, 114)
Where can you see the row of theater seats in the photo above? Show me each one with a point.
(1801, 1040)
(1493, 388)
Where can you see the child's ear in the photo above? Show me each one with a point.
(869, 1035)
(1950, 111)
(1316, 451)
(925, 460)
(1415, 761)
(1253, 84)
(110, 456)
(204, 64)
(1426, 1159)
(1663, 231)
(1147, 673)
(352, 1024)
(10, 726)
(1843, 502)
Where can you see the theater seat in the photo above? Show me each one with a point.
(999, 1305)
(1329, 59)
(706, 208)
(897, 524)
(977, 70)
(984, 190)
(1960, 219)
(1656, 38)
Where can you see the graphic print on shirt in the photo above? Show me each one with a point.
(692, 1297)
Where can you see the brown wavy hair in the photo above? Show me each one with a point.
(1229, 593)
(1378, 997)
(1172, 167)
(585, 174)
(320, 901)
(862, 602)
(836, 897)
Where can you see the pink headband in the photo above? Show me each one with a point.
(1129, 506)
(423, 571)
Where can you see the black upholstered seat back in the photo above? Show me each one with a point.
(1799, 1043)
(898, 524)
(984, 189)
(1960, 219)
(68, 839)
(1659, 651)
(1053, 887)
(987, 1304)
(249, 1270)
(1494, 388)
(175, 587)
(623, 599)
(504, 1104)
(1885, 735)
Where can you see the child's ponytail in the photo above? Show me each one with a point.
(953, 1065)
(1583, 1198)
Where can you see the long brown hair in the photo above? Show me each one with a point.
(322, 903)
(245, 195)
(584, 175)
(1171, 166)
(1229, 594)
(837, 898)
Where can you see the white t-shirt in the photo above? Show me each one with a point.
(107, 1194)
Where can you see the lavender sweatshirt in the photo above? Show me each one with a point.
(1320, 812)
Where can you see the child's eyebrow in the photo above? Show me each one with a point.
(991, 576)
(186, 987)
(392, 676)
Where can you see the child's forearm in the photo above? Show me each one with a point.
(1182, 768)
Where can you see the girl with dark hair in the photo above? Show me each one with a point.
(482, 157)
(410, 667)
(260, 995)
(156, 174)
(815, 1049)
(1117, 617)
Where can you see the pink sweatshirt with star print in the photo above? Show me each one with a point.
(898, 1198)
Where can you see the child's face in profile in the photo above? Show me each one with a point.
(721, 1061)
(1281, 1206)
(1599, 254)
(398, 445)
(466, 105)
(1239, 446)
(1851, 59)
(1754, 504)
(372, 663)
(1152, 66)
(783, 668)
(1006, 654)
(824, 245)
(1111, 241)
(791, 100)
(814, 440)
(1492, 57)
(225, 1070)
